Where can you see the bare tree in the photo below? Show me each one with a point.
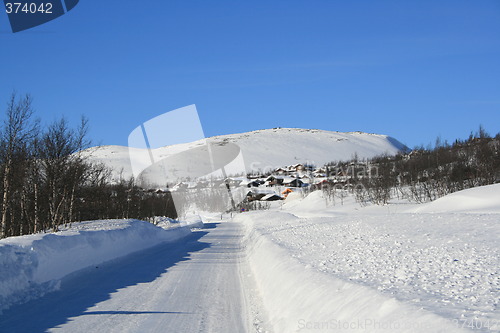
(18, 131)
(64, 169)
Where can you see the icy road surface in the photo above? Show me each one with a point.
(194, 285)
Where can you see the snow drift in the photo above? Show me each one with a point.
(342, 267)
(33, 265)
(298, 298)
(483, 199)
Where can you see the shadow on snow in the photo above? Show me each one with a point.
(83, 289)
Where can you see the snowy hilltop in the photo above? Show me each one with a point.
(264, 149)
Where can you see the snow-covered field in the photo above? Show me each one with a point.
(31, 266)
(376, 269)
(314, 265)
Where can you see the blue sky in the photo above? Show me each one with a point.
(414, 70)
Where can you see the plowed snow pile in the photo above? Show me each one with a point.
(380, 268)
(32, 265)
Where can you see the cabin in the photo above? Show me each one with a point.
(273, 181)
(271, 197)
(258, 194)
(295, 183)
(281, 171)
(254, 183)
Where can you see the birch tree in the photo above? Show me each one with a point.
(18, 132)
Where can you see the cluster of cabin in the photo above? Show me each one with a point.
(270, 187)
(277, 184)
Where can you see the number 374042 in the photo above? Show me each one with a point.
(28, 8)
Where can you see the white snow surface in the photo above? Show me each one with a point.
(199, 283)
(484, 199)
(310, 264)
(264, 149)
(378, 269)
(33, 265)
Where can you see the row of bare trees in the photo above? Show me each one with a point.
(41, 170)
(45, 180)
(425, 174)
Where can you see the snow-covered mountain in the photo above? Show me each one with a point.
(260, 150)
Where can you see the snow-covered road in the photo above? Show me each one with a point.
(196, 284)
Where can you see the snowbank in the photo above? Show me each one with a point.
(483, 199)
(300, 298)
(33, 265)
(442, 256)
(190, 220)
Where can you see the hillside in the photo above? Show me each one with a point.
(260, 150)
